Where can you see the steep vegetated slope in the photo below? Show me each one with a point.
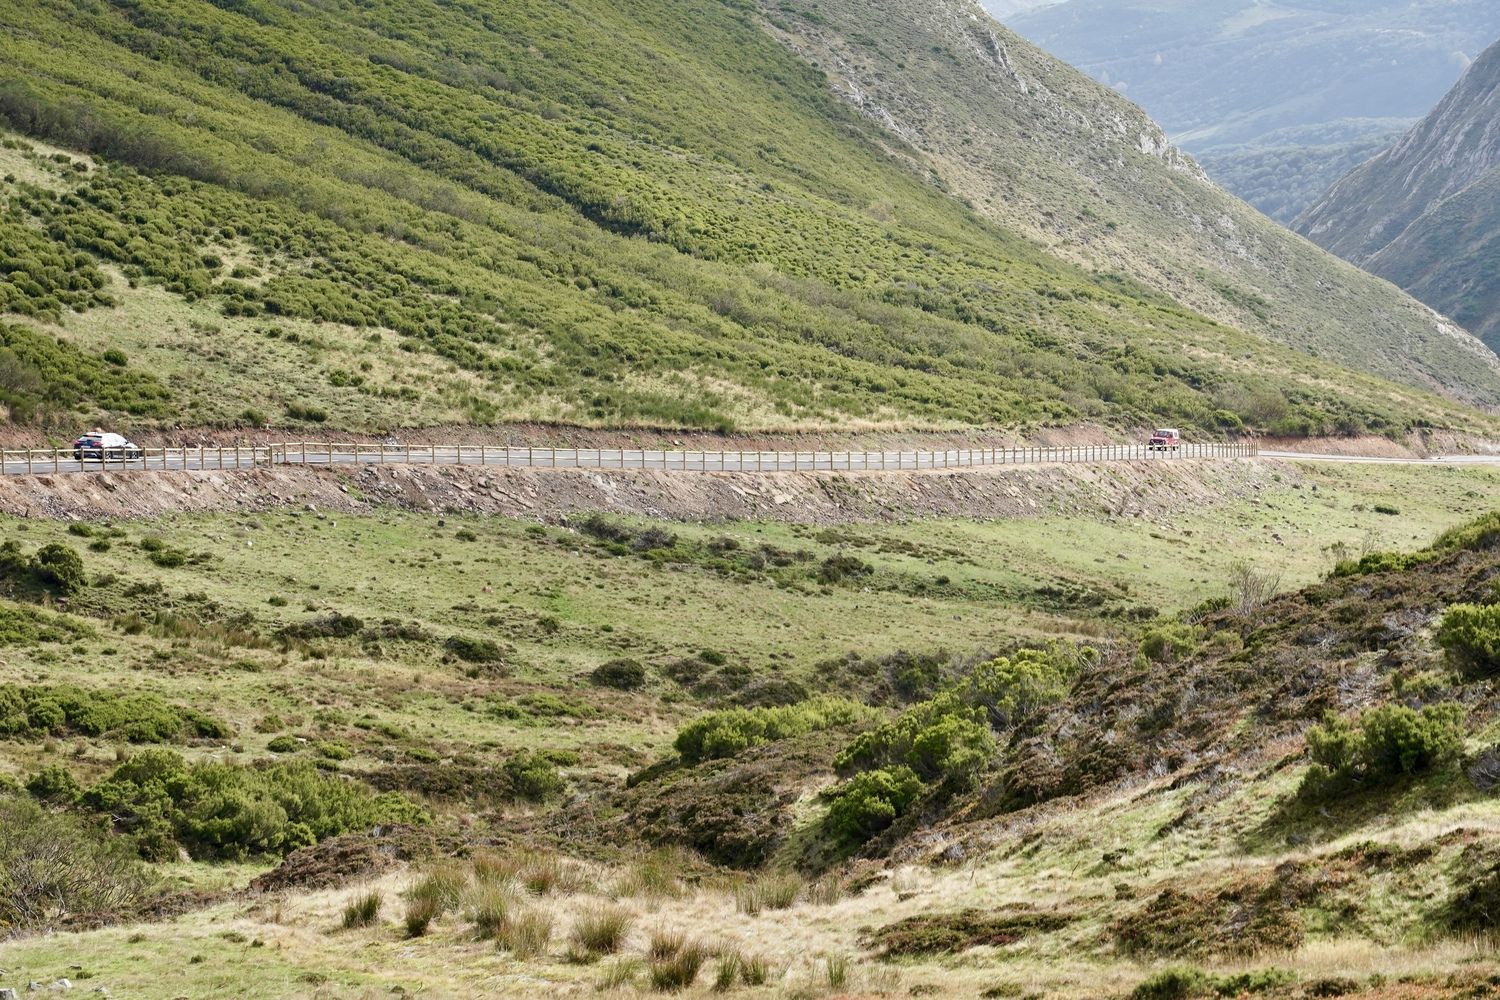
(1038, 147)
(652, 213)
(1236, 80)
(1425, 212)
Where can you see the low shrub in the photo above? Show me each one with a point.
(1389, 742)
(944, 739)
(1470, 635)
(60, 710)
(216, 810)
(54, 784)
(533, 776)
(20, 625)
(54, 868)
(1178, 983)
(728, 732)
(954, 932)
(474, 650)
(623, 675)
(55, 568)
(330, 626)
(843, 568)
(1474, 906)
(870, 802)
(1170, 642)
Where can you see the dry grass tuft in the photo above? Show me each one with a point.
(770, 891)
(488, 905)
(654, 875)
(680, 971)
(620, 974)
(666, 944)
(602, 932)
(421, 911)
(827, 889)
(525, 932)
(362, 911)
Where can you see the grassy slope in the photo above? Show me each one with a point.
(650, 214)
(1044, 150)
(396, 707)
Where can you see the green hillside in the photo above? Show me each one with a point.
(372, 215)
(651, 213)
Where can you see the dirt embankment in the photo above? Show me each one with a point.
(1117, 490)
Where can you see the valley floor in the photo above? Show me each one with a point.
(416, 635)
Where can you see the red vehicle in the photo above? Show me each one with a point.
(1166, 439)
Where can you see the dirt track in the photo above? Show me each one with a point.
(822, 498)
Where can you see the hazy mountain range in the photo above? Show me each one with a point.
(1276, 98)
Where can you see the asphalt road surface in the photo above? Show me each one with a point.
(191, 459)
(15, 463)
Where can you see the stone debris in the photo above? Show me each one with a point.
(1155, 490)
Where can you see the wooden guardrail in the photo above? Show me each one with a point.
(36, 461)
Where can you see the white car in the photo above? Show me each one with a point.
(102, 445)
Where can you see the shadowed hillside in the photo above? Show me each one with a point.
(1424, 212)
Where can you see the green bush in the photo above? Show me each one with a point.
(1470, 635)
(624, 675)
(1389, 742)
(843, 568)
(1170, 642)
(55, 784)
(869, 802)
(942, 739)
(474, 650)
(20, 625)
(1481, 533)
(60, 710)
(53, 867)
(53, 567)
(728, 732)
(334, 625)
(533, 776)
(228, 811)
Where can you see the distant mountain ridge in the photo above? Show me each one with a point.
(1426, 212)
(1229, 78)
